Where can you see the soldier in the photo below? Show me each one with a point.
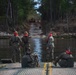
(65, 59)
(30, 59)
(25, 40)
(27, 59)
(50, 44)
(15, 43)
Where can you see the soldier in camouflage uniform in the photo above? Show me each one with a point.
(65, 59)
(50, 45)
(25, 41)
(15, 43)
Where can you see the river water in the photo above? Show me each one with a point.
(36, 40)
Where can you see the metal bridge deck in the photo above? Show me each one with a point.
(15, 69)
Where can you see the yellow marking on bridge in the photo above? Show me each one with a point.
(44, 69)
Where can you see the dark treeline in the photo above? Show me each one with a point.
(14, 12)
(54, 11)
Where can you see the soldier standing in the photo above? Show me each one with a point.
(25, 40)
(50, 44)
(15, 43)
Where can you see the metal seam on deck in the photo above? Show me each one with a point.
(50, 68)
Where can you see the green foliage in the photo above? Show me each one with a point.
(64, 5)
(21, 13)
(57, 7)
(3, 5)
(20, 8)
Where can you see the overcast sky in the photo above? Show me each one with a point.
(37, 6)
(36, 0)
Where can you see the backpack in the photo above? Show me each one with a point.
(25, 39)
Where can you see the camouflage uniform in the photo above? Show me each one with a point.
(25, 40)
(29, 60)
(65, 60)
(15, 43)
(50, 46)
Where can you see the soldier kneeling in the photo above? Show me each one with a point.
(65, 59)
(29, 60)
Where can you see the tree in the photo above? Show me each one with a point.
(15, 11)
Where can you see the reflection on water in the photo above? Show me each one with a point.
(37, 48)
